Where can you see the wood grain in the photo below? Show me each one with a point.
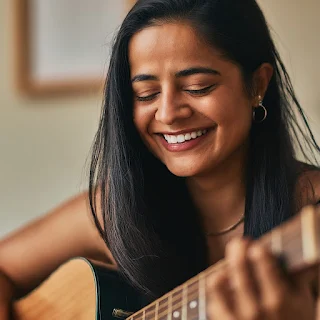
(68, 294)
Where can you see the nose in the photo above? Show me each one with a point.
(172, 107)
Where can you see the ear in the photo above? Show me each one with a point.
(261, 78)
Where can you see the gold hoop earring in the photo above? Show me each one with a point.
(259, 113)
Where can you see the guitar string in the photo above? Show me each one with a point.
(190, 282)
(164, 306)
(163, 313)
(194, 294)
(176, 303)
(191, 296)
(175, 306)
(209, 271)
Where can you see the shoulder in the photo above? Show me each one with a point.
(308, 184)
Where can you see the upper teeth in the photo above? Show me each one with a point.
(184, 137)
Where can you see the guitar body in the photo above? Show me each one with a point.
(79, 290)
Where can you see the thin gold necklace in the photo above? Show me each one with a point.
(219, 233)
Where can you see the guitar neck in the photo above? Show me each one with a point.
(297, 240)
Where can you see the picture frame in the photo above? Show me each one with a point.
(62, 47)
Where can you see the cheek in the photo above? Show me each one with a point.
(233, 115)
(236, 121)
(229, 109)
(142, 119)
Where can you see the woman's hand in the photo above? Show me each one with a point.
(253, 286)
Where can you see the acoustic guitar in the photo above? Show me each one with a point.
(80, 290)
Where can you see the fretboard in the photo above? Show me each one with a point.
(297, 240)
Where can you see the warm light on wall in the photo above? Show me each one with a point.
(58, 72)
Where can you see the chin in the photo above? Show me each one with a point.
(184, 170)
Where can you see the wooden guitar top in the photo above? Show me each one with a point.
(68, 294)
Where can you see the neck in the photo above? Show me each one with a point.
(219, 196)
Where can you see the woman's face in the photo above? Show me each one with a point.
(190, 106)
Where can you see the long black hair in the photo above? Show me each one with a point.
(149, 220)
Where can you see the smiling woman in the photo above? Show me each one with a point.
(194, 156)
(200, 115)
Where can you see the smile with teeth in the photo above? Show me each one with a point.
(171, 139)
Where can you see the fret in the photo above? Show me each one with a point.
(202, 297)
(176, 310)
(156, 316)
(170, 306)
(193, 300)
(184, 310)
(295, 240)
(150, 312)
(138, 316)
(309, 241)
(163, 309)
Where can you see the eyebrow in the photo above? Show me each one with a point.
(179, 74)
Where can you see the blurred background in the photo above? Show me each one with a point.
(48, 118)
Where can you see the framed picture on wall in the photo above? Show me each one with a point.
(63, 47)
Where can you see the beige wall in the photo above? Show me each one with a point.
(296, 27)
(44, 143)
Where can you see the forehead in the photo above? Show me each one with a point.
(171, 44)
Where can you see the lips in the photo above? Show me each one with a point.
(183, 140)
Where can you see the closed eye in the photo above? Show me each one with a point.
(194, 92)
(201, 91)
(147, 98)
